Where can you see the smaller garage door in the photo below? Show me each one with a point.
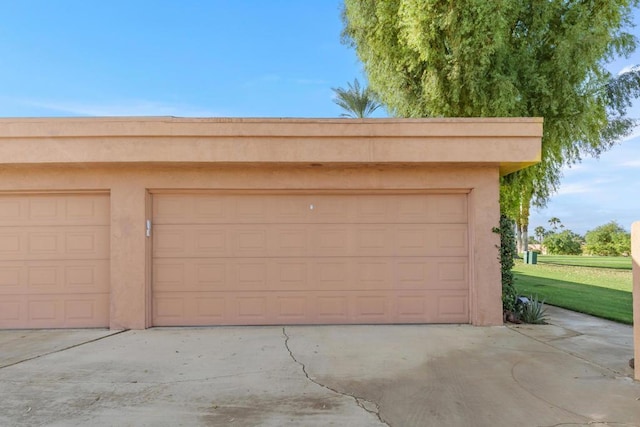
(54, 260)
(309, 258)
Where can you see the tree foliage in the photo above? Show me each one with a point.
(540, 233)
(564, 243)
(608, 240)
(357, 101)
(504, 58)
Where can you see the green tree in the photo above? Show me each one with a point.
(357, 101)
(555, 222)
(608, 240)
(504, 58)
(564, 243)
(540, 232)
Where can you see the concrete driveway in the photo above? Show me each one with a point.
(312, 376)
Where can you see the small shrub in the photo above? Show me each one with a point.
(533, 312)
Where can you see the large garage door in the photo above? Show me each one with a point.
(309, 258)
(54, 260)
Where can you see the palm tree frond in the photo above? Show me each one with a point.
(356, 101)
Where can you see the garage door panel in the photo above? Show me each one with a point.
(332, 308)
(62, 277)
(432, 209)
(449, 209)
(54, 311)
(250, 241)
(292, 307)
(278, 259)
(12, 278)
(331, 240)
(11, 244)
(54, 260)
(328, 307)
(372, 274)
(372, 308)
(183, 209)
(431, 273)
(439, 306)
(332, 273)
(291, 240)
(54, 210)
(316, 208)
(11, 311)
(431, 240)
(87, 276)
(296, 274)
(174, 241)
(29, 243)
(372, 240)
(452, 306)
(170, 309)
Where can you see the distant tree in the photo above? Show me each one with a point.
(540, 232)
(554, 222)
(608, 240)
(357, 101)
(564, 243)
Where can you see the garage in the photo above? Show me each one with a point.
(309, 258)
(136, 222)
(54, 260)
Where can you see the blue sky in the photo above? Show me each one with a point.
(241, 58)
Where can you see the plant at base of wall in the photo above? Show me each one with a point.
(507, 251)
(533, 311)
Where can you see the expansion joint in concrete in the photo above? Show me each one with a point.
(365, 404)
(64, 349)
(584, 359)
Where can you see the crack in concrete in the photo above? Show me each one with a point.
(63, 349)
(360, 401)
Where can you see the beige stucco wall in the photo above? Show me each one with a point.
(509, 143)
(635, 253)
(134, 158)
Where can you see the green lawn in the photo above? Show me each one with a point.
(617, 262)
(602, 292)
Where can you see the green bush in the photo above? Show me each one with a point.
(507, 254)
(608, 240)
(564, 243)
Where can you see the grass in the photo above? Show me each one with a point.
(602, 292)
(615, 262)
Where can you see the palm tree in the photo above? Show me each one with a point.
(540, 232)
(555, 223)
(357, 102)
